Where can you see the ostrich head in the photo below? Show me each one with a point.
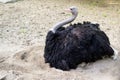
(74, 12)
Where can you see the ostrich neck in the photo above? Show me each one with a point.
(64, 22)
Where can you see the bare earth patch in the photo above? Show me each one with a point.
(23, 28)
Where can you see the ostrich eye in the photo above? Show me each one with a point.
(71, 9)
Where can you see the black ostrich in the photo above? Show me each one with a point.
(83, 42)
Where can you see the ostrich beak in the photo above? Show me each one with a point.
(67, 10)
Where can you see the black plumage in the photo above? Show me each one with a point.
(70, 46)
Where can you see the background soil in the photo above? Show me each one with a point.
(23, 28)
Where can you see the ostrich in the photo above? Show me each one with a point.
(65, 48)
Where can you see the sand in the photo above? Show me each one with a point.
(23, 28)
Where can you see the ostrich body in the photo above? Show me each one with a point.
(82, 42)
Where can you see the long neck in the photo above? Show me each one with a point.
(64, 22)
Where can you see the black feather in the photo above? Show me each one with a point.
(75, 44)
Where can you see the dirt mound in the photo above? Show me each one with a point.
(32, 56)
(31, 62)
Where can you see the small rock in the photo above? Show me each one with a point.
(63, 13)
(108, 28)
(7, 1)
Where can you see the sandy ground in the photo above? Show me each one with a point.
(24, 25)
